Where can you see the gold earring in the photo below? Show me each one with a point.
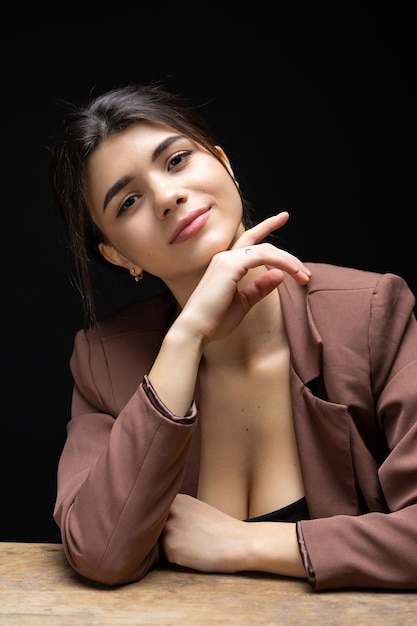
(137, 277)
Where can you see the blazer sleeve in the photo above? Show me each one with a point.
(117, 475)
(379, 549)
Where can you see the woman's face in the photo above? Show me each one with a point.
(165, 204)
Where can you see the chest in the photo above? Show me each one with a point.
(249, 460)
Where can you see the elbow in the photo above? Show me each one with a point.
(111, 568)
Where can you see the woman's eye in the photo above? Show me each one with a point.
(126, 205)
(179, 159)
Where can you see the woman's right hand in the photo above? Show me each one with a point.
(222, 298)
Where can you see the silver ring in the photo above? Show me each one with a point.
(248, 250)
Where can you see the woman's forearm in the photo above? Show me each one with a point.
(174, 372)
(272, 547)
(200, 536)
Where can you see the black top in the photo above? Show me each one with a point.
(290, 513)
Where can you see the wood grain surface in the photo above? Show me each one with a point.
(37, 587)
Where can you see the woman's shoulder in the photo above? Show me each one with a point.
(351, 287)
(328, 276)
(154, 313)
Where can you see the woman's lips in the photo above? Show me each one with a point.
(191, 226)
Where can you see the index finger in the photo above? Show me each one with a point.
(263, 229)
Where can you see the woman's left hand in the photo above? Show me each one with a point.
(201, 537)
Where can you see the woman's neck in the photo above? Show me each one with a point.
(260, 334)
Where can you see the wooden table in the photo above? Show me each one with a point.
(37, 587)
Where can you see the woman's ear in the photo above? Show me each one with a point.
(226, 161)
(224, 157)
(113, 256)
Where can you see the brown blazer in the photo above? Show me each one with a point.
(353, 340)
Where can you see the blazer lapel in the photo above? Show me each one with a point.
(322, 428)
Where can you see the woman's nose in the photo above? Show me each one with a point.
(168, 199)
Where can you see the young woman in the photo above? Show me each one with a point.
(259, 414)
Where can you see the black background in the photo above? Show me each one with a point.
(316, 112)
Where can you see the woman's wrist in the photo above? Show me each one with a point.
(272, 547)
(174, 372)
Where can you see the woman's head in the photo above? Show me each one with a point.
(79, 154)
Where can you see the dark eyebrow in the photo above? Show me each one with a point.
(125, 180)
(114, 189)
(164, 145)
